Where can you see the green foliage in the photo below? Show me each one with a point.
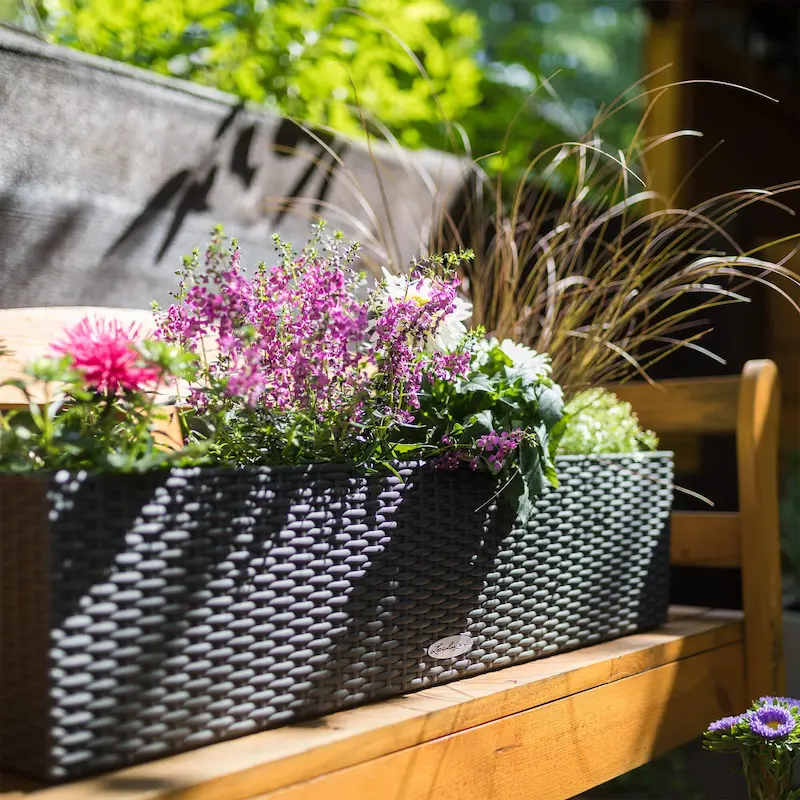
(590, 48)
(298, 56)
(598, 422)
(508, 390)
(10, 10)
(483, 59)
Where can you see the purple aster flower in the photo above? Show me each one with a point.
(771, 701)
(725, 724)
(772, 722)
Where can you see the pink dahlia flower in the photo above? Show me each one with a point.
(103, 353)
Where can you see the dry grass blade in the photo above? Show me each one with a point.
(584, 268)
(370, 213)
(589, 272)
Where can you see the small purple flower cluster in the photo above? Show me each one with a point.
(405, 329)
(288, 339)
(451, 459)
(725, 724)
(294, 338)
(771, 720)
(791, 702)
(498, 446)
(766, 738)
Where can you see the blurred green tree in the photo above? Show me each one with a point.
(301, 57)
(590, 49)
(484, 59)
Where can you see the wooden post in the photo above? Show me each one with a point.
(783, 340)
(666, 46)
(757, 456)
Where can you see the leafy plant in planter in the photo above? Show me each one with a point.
(303, 371)
(286, 367)
(100, 404)
(332, 528)
(601, 423)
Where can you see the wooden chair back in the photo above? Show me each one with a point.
(748, 406)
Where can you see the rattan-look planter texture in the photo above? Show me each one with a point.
(143, 615)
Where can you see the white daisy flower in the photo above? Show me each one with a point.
(480, 355)
(526, 363)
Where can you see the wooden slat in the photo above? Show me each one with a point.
(271, 760)
(706, 539)
(693, 405)
(790, 429)
(665, 64)
(555, 751)
(757, 461)
(686, 451)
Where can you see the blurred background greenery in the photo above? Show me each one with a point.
(483, 60)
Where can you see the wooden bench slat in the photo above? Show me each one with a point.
(553, 751)
(692, 405)
(706, 539)
(269, 761)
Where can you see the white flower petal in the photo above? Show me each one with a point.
(526, 363)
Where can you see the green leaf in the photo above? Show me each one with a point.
(405, 449)
(556, 433)
(478, 382)
(390, 467)
(551, 404)
(518, 493)
(532, 466)
(50, 370)
(480, 424)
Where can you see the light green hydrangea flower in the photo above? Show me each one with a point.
(598, 422)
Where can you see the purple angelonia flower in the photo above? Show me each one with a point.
(497, 447)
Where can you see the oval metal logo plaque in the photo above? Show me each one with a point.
(451, 646)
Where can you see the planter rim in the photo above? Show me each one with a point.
(616, 456)
(410, 464)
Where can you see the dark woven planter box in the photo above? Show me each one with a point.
(145, 615)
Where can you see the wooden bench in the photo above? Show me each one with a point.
(550, 729)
